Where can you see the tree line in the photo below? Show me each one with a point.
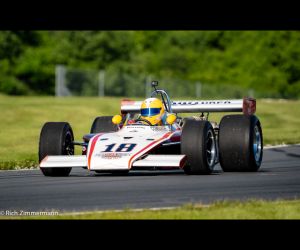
(265, 61)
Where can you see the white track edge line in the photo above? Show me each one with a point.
(126, 209)
(281, 146)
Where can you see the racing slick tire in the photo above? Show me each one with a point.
(103, 124)
(56, 138)
(240, 143)
(198, 143)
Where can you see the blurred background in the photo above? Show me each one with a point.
(75, 76)
(192, 64)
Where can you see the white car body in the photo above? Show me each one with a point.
(123, 150)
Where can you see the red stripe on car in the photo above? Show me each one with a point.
(94, 140)
(149, 145)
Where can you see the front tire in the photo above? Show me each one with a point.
(56, 138)
(240, 143)
(198, 143)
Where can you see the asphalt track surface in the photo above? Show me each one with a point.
(29, 190)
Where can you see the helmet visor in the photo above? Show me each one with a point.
(150, 111)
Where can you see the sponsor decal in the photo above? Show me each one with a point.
(136, 127)
(199, 102)
(159, 128)
(111, 155)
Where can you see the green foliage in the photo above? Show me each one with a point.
(10, 45)
(33, 69)
(13, 86)
(265, 61)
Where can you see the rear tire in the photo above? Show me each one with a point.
(240, 143)
(56, 138)
(199, 145)
(103, 124)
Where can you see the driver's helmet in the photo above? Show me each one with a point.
(152, 109)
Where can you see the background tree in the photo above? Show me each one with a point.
(266, 61)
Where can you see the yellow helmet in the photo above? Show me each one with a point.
(152, 110)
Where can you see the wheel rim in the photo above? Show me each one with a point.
(69, 148)
(210, 149)
(257, 144)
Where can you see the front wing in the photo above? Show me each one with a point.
(80, 161)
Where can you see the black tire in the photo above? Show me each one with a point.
(183, 120)
(197, 139)
(238, 135)
(56, 139)
(103, 124)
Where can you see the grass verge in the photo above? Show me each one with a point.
(23, 117)
(252, 209)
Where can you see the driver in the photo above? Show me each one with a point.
(152, 110)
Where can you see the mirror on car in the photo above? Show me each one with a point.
(154, 83)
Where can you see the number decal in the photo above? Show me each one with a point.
(124, 147)
(109, 148)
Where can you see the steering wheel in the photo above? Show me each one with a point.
(143, 120)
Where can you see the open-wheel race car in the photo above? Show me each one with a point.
(150, 135)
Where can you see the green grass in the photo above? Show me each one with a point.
(23, 117)
(252, 209)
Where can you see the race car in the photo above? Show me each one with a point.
(151, 134)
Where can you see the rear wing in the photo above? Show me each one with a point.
(246, 105)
